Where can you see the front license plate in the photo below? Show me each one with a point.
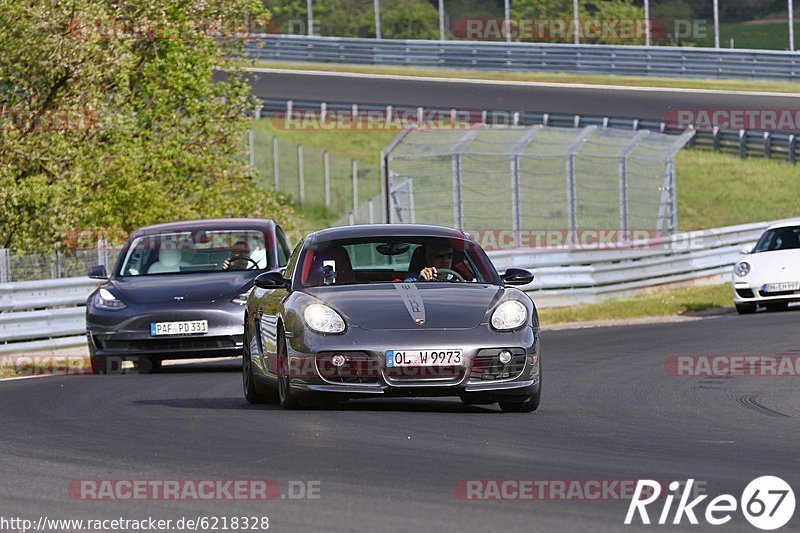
(405, 358)
(782, 287)
(184, 327)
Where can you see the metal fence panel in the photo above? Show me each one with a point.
(585, 58)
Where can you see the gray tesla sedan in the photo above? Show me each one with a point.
(179, 290)
(391, 310)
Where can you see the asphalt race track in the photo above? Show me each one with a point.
(610, 411)
(650, 104)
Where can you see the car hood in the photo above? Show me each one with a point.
(773, 267)
(217, 286)
(401, 305)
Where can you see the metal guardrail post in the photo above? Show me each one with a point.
(792, 148)
(326, 164)
(767, 144)
(5, 266)
(516, 216)
(458, 202)
(251, 146)
(572, 199)
(742, 144)
(355, 186)
(275, 168)
(715, 138)
(623, 180)
(301, 177)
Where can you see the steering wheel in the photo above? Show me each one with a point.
(230, 262)
(440, 271)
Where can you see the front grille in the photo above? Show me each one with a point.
(183, 344)
(486, 366)
(359, 368)
(745, 293)
(443, 375)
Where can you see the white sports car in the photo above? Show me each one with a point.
(769, 274)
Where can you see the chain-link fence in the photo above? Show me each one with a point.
(55, 264)
(314, 177)
(537, 178)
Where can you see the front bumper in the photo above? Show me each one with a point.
(365, 374)
(126, 332)
(753, 293)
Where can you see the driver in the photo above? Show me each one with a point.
(240, 257)
(437, 255)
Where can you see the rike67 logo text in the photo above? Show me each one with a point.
(767, 503)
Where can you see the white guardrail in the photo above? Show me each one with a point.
(49, 314)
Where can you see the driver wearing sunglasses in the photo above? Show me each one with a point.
(437, 256)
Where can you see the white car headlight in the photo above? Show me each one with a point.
(509, 315)
(323, 319)
(742, 269)
(106, 300)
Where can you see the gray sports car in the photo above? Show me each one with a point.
(391, 310)
(179, 290)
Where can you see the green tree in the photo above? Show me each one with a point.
(111, 118)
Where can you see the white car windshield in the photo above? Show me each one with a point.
(787, 238)
(195, 252)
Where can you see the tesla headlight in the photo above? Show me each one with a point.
(509, 315)
(742, 269)
(242, 298)
(323, 319)
(105, 300)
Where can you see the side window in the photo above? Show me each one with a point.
(283, 248)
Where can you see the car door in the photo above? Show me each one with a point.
(270, 309)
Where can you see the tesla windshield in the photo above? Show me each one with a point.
(195, 252)
(395, 260)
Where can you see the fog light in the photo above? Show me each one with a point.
(338, 360)
(505, 357)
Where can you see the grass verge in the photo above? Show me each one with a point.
(670, 302)
(545, 77)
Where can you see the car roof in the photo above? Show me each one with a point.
(209, 223)
(385, 230)
(785, 223)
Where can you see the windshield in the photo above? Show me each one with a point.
(195, 252)
(395, 260)
(779, 239)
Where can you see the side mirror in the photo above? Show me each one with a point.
(98, 272)
(271, 280)
(746, 250)
(517, 276)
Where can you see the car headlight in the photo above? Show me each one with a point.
(509, 315)
(742, 269)
(323, 319)
(105, 300)
(242, 298)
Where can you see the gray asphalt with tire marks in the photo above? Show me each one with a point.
(609, 411)
(471, 96)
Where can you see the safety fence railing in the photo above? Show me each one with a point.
(687, 62)
(49, 314)
(779, 145)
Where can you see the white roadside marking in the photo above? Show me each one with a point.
(510, 83)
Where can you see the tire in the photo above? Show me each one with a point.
(251, 392)
(745, 309)
(529, 405)
(286, 398)
(780, 306)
